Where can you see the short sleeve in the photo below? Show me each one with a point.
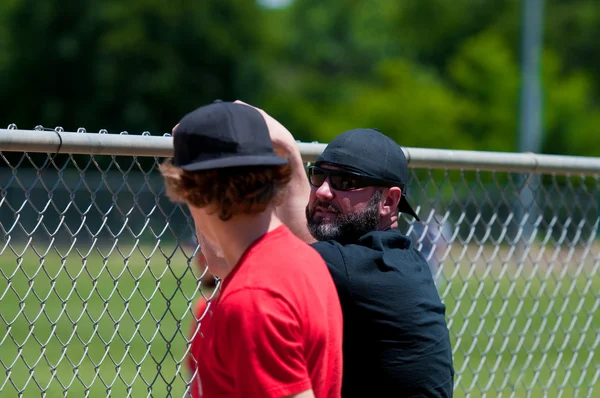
(265, 340)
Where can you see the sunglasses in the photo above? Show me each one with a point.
(342, 180)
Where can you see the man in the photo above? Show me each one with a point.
(396, 341)
(276, 328)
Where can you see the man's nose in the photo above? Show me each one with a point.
(325, 191)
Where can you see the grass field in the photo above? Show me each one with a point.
(96, 327)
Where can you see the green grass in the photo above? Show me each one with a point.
(118, 326)
(95, 326)
(529, 330)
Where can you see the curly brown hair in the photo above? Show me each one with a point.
(231, 191)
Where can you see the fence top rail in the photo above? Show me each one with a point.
(42, 141)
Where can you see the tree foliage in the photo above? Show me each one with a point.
(430, 73)
(136, 65)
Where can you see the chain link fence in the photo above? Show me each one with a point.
(98, 277)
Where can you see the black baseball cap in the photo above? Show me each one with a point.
(369, 152)
(223, 134)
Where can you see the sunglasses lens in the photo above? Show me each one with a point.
(344, 182)
(339, 180)
(317, 177)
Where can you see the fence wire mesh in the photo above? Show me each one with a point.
(98, 277)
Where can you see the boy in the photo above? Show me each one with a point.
(276, 328)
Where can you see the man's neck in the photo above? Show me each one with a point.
(235, 235)
(388, 223)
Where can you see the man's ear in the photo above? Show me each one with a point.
(390, 200)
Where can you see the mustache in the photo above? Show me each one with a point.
(329, 206)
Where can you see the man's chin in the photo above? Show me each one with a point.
(323, 231)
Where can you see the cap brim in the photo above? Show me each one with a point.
(235, 161)
(405, 207)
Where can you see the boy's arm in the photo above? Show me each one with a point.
(292, 211)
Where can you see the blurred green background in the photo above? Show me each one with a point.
(112, 315)
(430, 73)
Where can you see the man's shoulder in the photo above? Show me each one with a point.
(326, 246)
(378, 240)
(331, 251)
(345, 259)
(387, 246)
(392, 237)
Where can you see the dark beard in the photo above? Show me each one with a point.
(345, 228)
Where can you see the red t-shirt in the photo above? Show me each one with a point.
(276, 328)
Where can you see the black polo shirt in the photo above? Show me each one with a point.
(396, 340)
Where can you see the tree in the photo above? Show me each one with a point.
(131, 66)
